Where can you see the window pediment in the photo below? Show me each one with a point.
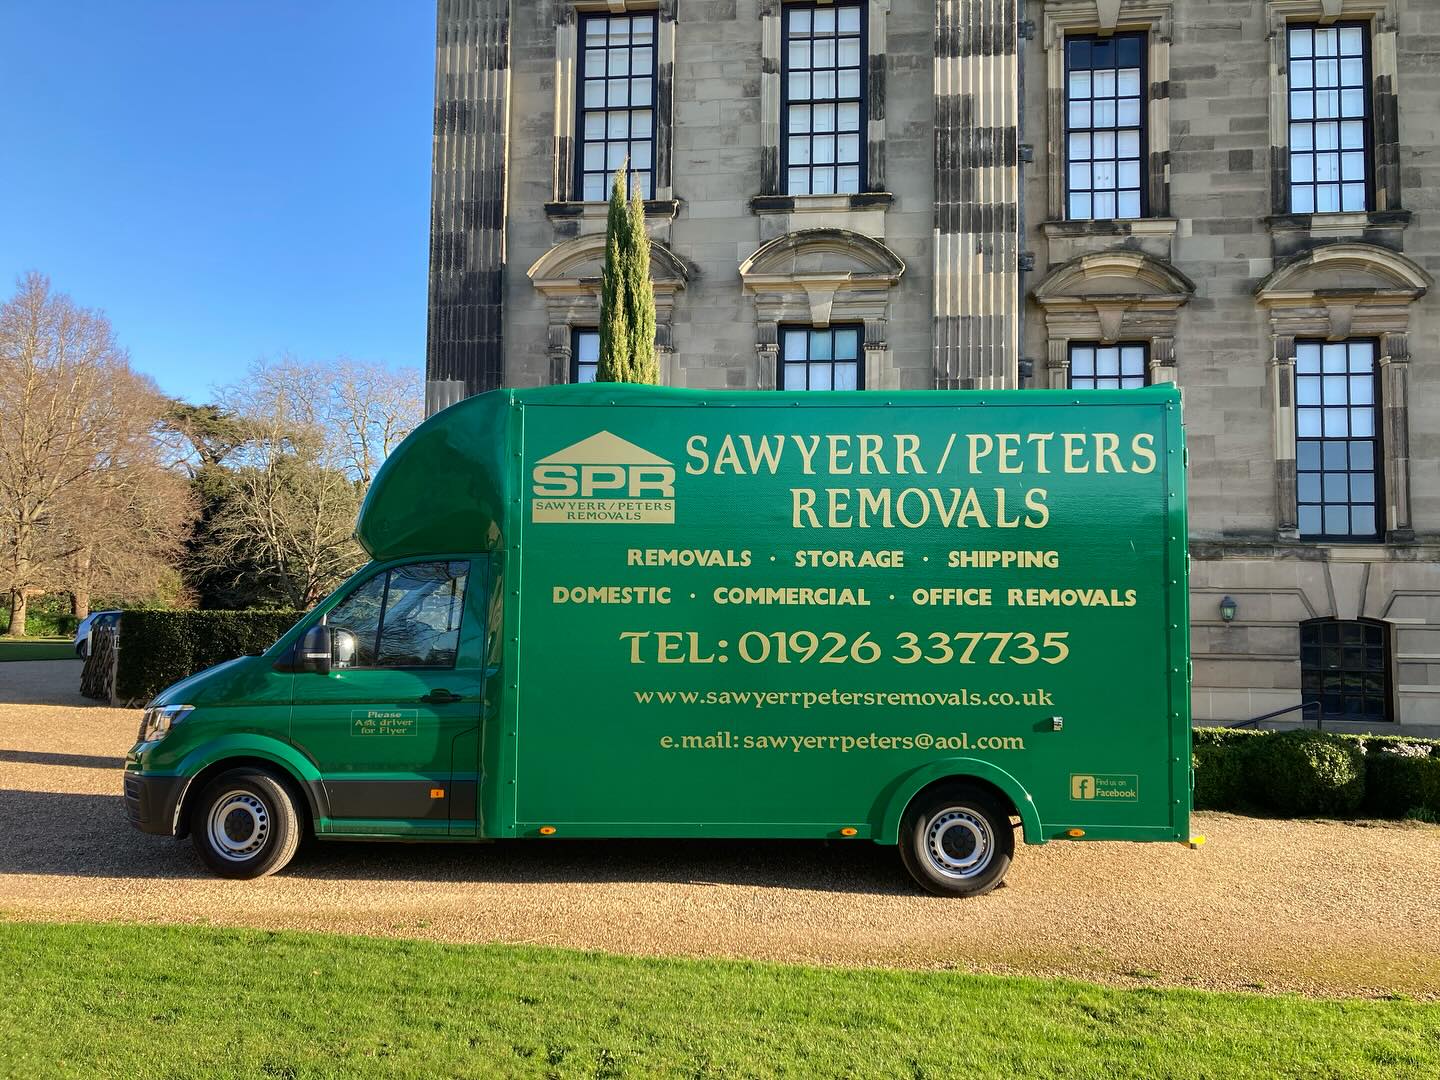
(579, 261)
(1361, 270)
(810, 252)
(1115, 274)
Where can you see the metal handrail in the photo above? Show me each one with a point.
(1281, 712)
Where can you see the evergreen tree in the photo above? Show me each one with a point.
(627, 296)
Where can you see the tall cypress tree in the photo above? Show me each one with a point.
(627, 296)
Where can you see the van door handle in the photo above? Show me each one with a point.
(440, 697)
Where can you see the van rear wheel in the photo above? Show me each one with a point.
(244, 824)
(957, 840)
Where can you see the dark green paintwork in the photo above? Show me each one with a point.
(550, 732)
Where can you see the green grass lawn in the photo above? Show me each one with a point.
(93, 1000)
(56, 648)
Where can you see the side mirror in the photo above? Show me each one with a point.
(342, 648)
(313, 653)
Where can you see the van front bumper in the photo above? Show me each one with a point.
(150, 802)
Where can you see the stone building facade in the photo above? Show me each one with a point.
(1239, 196)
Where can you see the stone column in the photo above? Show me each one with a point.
(1394, 390)
(977, 194)
(1282, 393)
(464, 341)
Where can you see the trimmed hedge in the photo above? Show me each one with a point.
(158, 648)
(1305, 773)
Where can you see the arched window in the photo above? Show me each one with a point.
(1345, 669)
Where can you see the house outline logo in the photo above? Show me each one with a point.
(603, 479)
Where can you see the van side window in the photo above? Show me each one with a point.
(407, 617)
(360, 614)
(421, 622)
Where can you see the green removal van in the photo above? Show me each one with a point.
(914, 618)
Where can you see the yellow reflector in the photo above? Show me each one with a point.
(848, 832)
(547, 830)
(1196, 841)
(1076, 832)
(437, 792)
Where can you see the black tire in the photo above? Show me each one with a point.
(244, 824)
(957, 840)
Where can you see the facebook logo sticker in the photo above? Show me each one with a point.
(1104, 787)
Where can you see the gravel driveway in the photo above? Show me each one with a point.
(1314, 907)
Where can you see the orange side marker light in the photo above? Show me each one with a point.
(1077, 833)
(848, 831)
(547, 830)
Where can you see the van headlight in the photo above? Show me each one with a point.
(156, 722)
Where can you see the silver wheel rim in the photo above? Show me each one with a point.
(239, 826)
(959, 843)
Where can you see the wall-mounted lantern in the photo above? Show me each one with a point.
(1229, 609)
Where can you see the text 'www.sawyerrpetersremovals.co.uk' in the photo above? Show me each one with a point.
(809, 699)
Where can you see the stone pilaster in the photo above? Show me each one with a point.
(464, 337)
(770, 66)
(1282, 392)
(977, 194)
(1162, 360)
(1394, 390)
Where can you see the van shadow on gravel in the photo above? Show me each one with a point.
(71, 761)
(89, 836)
(809, 865)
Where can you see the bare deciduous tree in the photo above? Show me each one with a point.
(372, 408)
(81, 480)
(314, 435)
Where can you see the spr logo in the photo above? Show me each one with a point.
(603, 480)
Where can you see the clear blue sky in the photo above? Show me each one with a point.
(225, 180)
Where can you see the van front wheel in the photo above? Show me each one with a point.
(244, 824)
(957, 840)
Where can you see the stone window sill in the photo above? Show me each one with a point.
(1337, 223)
(655, 209)
(1068, 230)
(799, 204)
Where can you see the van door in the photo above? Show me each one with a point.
(383, 727)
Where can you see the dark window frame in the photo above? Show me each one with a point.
(810, 328)
(575, 333)
(1375, 440)
(1367, 123)
(863, 164)
(1144, 127)
(386, 573)
(1144, 346)
(585, 18)
(1375, 634)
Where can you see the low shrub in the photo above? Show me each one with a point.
(158, 648)
(1220, 775)
(1225, 736)
(1306, 773)
(1401, 780)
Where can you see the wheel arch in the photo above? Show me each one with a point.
(289, 767)
(949, 769)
